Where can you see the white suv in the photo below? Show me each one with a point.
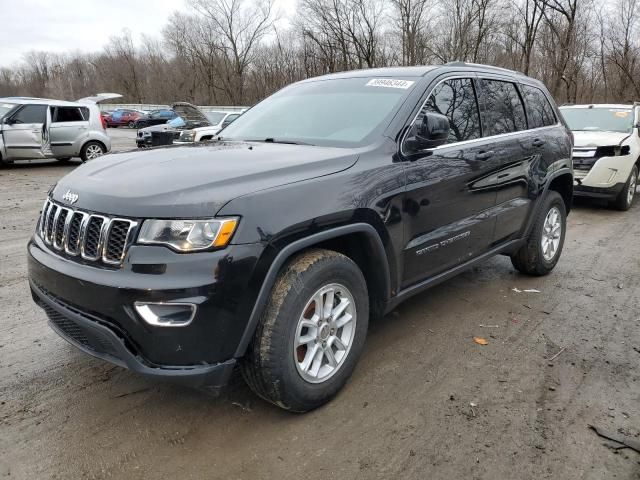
(32, 128)
(606, 153)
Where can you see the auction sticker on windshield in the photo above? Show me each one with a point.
(389, 83)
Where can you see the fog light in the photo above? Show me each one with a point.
(166, 314)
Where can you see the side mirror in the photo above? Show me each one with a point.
(432, 131)
(9, 121)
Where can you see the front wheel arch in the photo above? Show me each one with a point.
(318, 240)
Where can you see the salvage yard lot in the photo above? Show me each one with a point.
(406, 413)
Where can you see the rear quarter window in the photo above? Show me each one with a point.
(539, 111)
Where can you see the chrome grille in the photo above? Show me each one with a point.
(89, 236)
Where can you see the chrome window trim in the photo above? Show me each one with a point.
(471, 76)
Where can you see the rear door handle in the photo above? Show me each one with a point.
(538, 142)
(484, 155)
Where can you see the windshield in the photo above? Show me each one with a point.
(176, 122)
(345, 112)
(6, 108)
(599, 119)
(214, 117)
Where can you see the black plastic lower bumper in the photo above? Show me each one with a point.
(605, 193)
(102, 341)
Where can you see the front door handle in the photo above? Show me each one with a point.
(484, 155)
(538, 142)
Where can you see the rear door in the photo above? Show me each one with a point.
(26, 133)
(68, 128)
(515, 149)
(448, 207)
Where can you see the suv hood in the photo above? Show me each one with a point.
(598, 139)
(193, 181)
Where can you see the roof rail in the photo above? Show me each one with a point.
(458, 63)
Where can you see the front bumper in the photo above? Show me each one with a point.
(99, 340)
(609, 193)
(93, 307)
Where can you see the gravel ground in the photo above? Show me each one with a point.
(406, 413)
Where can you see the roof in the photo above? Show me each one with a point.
(419, 71)
(38, 101)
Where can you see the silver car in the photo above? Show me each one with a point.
(33, 128)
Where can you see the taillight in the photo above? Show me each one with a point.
(103, 122)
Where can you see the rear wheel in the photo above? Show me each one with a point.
(131, 124)
(311, 334)
(91, 151)
(540, 254)
(625, 197)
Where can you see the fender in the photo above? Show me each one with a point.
(532, 217)
(293, 248)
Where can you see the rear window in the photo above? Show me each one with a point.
(503, 109)
(539, 110)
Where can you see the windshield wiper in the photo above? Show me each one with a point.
(266, 140)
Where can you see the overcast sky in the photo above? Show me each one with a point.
(85, 25)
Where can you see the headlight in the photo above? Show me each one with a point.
(187, 136)
(188, 235)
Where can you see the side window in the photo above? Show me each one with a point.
(31, 114)
(503, 109)
(539, 110)
(85, 113)
(456, 99)
(229, 120)
(68, 114)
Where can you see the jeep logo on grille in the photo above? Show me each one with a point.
(70, 197)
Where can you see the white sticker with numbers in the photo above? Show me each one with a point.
(389, 83)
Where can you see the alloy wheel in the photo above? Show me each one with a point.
(551, 233)
(93, 152)
(324, 333)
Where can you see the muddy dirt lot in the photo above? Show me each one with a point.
(406, 413)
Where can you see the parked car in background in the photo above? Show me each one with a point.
(328, 203)
(124, 118)
(156, 117)
(217, 120)
(144, 135)
(32, 128)
(606, 155)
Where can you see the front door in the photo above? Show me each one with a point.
(26, 133)
(68, 130)
(449, 207)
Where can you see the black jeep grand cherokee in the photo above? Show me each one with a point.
(326, 204)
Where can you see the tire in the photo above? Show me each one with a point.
(131, 124)
(625, 198)
(531, 258)
(89, 151)
(273, 367)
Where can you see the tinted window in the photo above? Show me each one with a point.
(68, 114)
(503, 112)
(456, 99)
(31, 114)
(539, 110)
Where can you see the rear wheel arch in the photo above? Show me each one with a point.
(563, 184)
(360, 242)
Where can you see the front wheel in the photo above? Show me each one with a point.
(311, 334)
(625, 198)
(541, 252)
(91, 151)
